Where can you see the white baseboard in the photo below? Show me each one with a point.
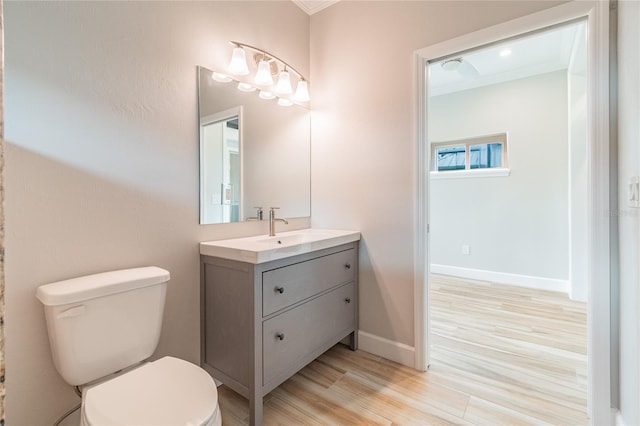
(389, 349)
(541, 283)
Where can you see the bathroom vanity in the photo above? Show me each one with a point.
(271, 305)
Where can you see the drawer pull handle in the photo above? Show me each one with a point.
(347, 299)
(279, 290)
(347, 266)
(280, 336)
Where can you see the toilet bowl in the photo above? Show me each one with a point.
(101, 330)
(169, 391)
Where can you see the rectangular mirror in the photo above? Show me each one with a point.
(253, 153)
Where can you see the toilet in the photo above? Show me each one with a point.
(101, 329)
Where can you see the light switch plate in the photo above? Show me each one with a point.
(634, 192)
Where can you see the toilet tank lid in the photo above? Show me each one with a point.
(98, 285)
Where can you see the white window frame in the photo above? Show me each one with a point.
(467, 143)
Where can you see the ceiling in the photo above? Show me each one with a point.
(535, 54)
(313, 6)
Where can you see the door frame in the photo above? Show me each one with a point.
(598, 238)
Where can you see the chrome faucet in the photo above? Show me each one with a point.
(273, 220)
(258, 214)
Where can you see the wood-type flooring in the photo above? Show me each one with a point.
(501, 355)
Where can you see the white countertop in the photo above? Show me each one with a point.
(263, 248)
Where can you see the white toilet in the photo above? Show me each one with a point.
(101, 329)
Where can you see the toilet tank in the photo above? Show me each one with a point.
(102, 323)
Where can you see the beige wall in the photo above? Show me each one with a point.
(102, 150)
(102, 159)
(363, 134)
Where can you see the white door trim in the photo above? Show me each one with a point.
(598, 323)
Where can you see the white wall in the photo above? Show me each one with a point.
(363, 134)
(577, 100)
(629, 236)
(516, 224)
(102, 159)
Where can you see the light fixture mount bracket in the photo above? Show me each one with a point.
(273, 65)
(272, 58)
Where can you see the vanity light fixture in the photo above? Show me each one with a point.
(238, 64)
(302, 92)
(266, 67)
(245, 87)
(263, 76)
(284, 102)
(222, 78)
(284, 82)
(266, 95)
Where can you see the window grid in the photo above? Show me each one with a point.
(478, 153)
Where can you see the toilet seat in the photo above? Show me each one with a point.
(169, 391)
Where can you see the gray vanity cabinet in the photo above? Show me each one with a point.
(261, 323)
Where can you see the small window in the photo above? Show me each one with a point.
(484, 152)
(451, 158)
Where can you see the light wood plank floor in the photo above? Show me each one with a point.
(501, 355)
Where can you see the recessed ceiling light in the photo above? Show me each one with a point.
(505, 52)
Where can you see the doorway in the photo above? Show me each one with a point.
(597, 235)
(508, 219)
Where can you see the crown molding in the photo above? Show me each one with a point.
(314, 6)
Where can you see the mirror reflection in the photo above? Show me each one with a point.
(220, 167)
(253, 153)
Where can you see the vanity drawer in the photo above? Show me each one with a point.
(288, 338)
(285, 286)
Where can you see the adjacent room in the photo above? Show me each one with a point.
(508, 132)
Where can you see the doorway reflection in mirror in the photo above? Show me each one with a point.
(220, 167)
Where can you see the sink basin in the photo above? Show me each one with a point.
(288, 240)
(261, 248)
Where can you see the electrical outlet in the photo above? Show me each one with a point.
(634, 191)
(466, 250)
